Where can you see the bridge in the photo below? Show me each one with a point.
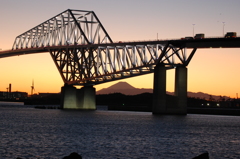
(85, 55)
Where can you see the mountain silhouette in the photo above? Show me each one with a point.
(124, 88)
(127, 89)
(121, 85)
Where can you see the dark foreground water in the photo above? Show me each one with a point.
(51, 133)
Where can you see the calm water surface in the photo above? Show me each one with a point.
(51, 133)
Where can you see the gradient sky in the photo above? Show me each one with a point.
(213, 71)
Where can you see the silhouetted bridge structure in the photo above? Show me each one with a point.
(85, 55)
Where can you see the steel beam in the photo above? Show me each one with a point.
(67, 28)
(94, 65)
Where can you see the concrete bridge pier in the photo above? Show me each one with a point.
(73, 98)
(159, 91)
(163, 104)
(181, 90)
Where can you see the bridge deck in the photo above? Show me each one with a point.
(192, 43)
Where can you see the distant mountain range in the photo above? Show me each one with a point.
(127, 89)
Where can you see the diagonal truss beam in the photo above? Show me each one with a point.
(98, 64)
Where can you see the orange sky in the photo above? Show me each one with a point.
(213, 71)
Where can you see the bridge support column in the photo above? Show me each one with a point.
(159, 91)
(181, 90)
(83, 98)
(164, 104)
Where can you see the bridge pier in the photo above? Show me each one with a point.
(159, 90)
(164, 104)
(73, 98)
(181, 90)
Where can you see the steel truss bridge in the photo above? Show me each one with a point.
(85, 54)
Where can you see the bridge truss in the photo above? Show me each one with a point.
(67, 28)
(82, 65)
(85, 54)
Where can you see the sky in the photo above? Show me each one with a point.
(213, 71)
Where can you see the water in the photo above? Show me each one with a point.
(52, 133)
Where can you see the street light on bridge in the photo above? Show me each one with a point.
(193, 29)
(223, 27)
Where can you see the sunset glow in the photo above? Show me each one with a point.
(212, 71)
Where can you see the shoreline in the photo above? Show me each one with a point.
(190, 110)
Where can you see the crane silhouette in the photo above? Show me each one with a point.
(32, 87)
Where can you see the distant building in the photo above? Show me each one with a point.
(13, 95)
(41, 95)
(3, 95)
(47, 94)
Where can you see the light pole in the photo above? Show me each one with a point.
(223, 27)
(193, 29)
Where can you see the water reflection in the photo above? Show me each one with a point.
(44, 133)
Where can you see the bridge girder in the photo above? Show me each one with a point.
(68, 27)
(95, 65)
